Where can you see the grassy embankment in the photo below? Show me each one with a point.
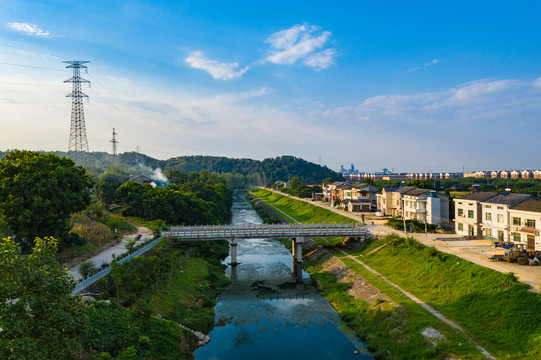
(175, 282)
(497, 311)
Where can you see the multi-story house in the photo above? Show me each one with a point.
(426, 205)
(525, 223)
(384, 201)
(468, 213)
(495, 214)
(396, 200)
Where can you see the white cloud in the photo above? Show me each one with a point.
(431, 63)
(29, 29)
(216, 69)
(301, 42)
(497, 101)
(321, 60)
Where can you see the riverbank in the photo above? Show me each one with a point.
(483, 302)
(160, 303)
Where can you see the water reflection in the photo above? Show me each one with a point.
(271, 311)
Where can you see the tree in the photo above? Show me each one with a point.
(39, 192)
(38, 316)
(369, 181)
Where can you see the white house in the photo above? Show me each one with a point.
(525, 223)
(468, 213)
(495, 214)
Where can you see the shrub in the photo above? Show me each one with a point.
(95, 232)
(87, 268)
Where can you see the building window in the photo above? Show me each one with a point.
(516, 237)
(489, 232)
(516, 221)
(530, 223)
(500, 218)
(459, 203)
(460, 226)
(470, 214)
(460, 212)
(487, 206)
(500, 207)
(500, 235)
(488, 216)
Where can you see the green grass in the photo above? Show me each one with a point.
(303, 212)
(394, 332)
(499, 312)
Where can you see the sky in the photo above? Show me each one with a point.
(403, 85)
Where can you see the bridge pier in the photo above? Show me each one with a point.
(233, 245)
(296, 249)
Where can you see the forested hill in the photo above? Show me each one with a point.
(270, 170)
(239, 172)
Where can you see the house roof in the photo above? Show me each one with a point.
(479, 196)
(509, 199)
(389, 189)
(528, 205)
(404, 189)
(417, 192)
(142, 179)
(368, 187)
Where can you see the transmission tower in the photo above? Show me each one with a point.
(114, 142)
(78, 141)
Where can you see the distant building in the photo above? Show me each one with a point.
(143, 180)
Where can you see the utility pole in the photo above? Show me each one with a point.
(78, 140)
(404, 217)
(114, 142)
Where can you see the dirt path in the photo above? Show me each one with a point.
(423, 304)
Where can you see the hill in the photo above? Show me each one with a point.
(239, 172)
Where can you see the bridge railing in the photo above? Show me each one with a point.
(102, 273)
(261, 230)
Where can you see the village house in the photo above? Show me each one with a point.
(359, 197)
(525, 223)
(468, 213)
(426, 205)
(495, 214)
(384, 201)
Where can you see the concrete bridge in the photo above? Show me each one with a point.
(296, 232)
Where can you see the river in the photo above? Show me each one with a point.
(265, 313)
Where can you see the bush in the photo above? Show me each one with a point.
(95, 232)
(87, 268)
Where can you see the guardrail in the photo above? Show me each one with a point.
(260, 231)
(102, 273)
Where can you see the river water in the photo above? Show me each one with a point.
(268, 313)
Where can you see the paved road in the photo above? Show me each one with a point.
(471, 250)
(120, 248)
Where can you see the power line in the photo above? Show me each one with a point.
(30, 66)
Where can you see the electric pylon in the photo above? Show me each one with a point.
(114, 142)
(78, 141)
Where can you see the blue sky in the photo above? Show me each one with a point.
(405, 85)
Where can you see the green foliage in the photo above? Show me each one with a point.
(181, 279)
(202, 199)
(261, 172)
(116, 332)
(38, 193)
(87, 268)
(38, 317)
(416, 225)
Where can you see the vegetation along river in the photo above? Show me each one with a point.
(265, 313)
